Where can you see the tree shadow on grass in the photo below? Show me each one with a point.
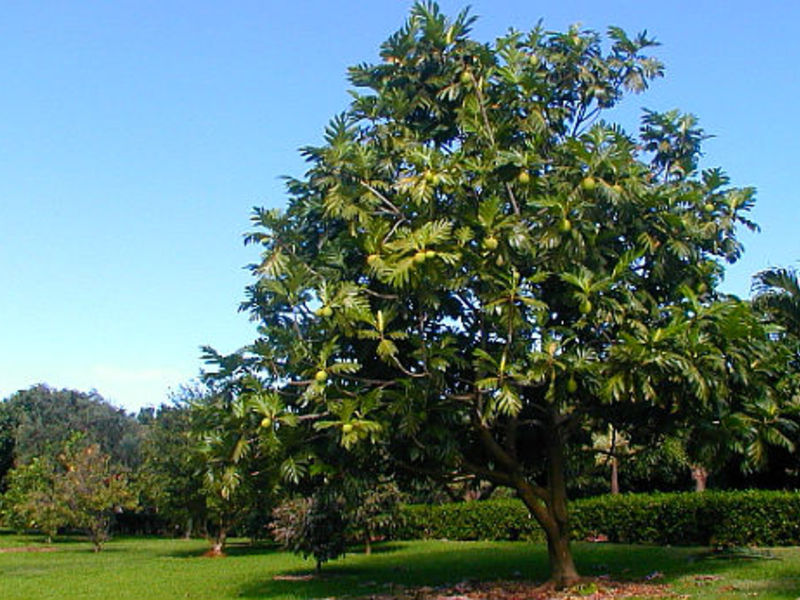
(232, 551)
(441, 564)
(396, 565)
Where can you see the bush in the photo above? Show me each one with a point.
(311, 527)
(757, 518)
(506, 519)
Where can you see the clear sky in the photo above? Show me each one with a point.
(136, 136)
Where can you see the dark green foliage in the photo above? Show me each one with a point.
(7, 434)
(168, 477)
(506, 519)
(741, 518)
(43, 419)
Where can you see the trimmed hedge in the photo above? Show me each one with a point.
(736, 518)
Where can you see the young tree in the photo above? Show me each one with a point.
(374, 509)
(312, 526)
(91, 491)
(237, 448)
(477, 268)
(32, 501)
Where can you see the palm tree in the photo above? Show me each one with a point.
(777, 293)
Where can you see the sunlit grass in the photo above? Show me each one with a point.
(158, 569)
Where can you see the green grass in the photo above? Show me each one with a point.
(157, 569)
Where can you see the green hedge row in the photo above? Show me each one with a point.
(739, 518)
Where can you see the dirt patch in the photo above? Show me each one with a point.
(588, 589)
(28, 549)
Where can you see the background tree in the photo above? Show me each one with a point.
(778, 295)
(477, 271)
(91, 491)
(43, 419)
(32, 501)
(168, 477)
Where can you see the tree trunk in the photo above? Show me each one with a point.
(614, 475)
(218, 546)
(700, 476)
(562, 568)
(187, 532)
(368, 544)
(551, 514)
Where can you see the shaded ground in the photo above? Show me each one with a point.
(591, 589)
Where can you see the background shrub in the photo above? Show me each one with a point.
(731, 518)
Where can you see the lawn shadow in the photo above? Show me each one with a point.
(393, 566)
(442, 564)
(231, 551)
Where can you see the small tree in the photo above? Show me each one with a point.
(237, 450)
(312, 526)
(374, 511)
(91, 491)
(32, 500)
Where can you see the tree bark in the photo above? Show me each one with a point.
(614, 475)
(562, 567)
(550, 512)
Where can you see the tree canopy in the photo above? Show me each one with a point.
(478, 270)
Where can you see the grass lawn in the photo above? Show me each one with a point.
(157, 569)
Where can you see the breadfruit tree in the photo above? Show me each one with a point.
(477, 270)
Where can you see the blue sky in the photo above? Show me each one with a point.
(136, 137)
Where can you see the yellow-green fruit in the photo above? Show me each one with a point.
(466, 77)
(320, 376)
(372, 259)
(429, 176)
(419, 256)
(347, 428)
(524, 177)
(588, 184)
(585, 307)
(430, 253)
(490, 243)
(266, 422)
(327, 311)
(572, 385)
(565, 226)
(708, 207)
(499, 260)
(318, 312)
